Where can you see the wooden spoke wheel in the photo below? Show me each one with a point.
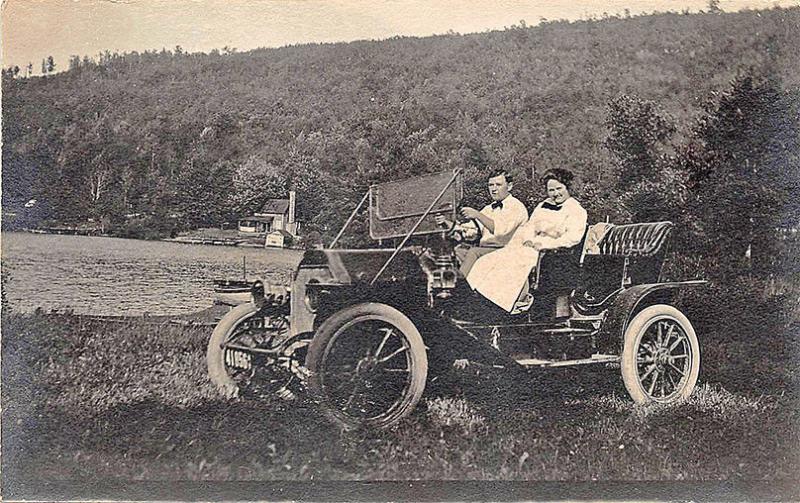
(252, 353)
(367, 366)
(661, 356)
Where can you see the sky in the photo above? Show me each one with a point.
(35, 29)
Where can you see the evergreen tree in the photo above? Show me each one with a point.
(744, 165)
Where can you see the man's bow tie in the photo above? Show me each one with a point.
(548, 206)
(497, 204)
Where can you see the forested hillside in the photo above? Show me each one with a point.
(190, 140)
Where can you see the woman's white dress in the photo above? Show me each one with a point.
(500, 275)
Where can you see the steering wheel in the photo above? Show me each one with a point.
(457, 235)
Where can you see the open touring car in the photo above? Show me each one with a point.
(359, 329)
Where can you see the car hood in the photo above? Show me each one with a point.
(361, 266)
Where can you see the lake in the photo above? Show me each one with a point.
(112, 276)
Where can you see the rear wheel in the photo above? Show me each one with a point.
(661, 356)
(367, 366)
(251, 352)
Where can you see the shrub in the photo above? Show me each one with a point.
(147, 227)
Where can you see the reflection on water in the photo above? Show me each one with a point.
(111, 276)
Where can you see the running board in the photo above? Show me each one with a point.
(571, 331)
(597, 358)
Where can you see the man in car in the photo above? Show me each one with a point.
(495, 223)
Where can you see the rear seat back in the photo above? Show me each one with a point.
(622, 255)
(635, 240)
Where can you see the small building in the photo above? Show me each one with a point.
(276, 215)
(255, 225)
(278, 238)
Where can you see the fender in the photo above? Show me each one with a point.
(628, 302)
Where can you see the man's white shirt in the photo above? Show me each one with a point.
(507, 218)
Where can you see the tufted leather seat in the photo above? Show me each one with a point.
(635, 240)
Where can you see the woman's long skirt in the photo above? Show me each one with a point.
(499, 276)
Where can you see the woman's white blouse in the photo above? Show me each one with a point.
(561, 228)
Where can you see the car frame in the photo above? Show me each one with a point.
(362, 330)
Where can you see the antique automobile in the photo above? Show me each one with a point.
(361, 331)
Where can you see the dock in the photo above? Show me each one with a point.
(75, 231)
(194, 240)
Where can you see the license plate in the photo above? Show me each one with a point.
(238, 359)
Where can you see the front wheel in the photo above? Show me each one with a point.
(661, 356)
(367, 366)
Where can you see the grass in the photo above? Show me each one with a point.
(90, 400)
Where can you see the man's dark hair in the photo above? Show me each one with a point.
(501, 172)
(560, 175)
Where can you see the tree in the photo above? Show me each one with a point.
(648, 185)
(74, 62)
(252, 182)
(201, 194)
(639, 132)
(744, 167)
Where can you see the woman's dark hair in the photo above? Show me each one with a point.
(501, 172)
(560, 175)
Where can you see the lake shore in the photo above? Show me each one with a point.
(203, 236)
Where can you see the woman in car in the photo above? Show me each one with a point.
(557, 222)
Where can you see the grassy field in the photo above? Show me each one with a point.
(91, 400)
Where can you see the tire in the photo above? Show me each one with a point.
(353, 359)
(660, 356)
(265, 376)
(215, 356)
